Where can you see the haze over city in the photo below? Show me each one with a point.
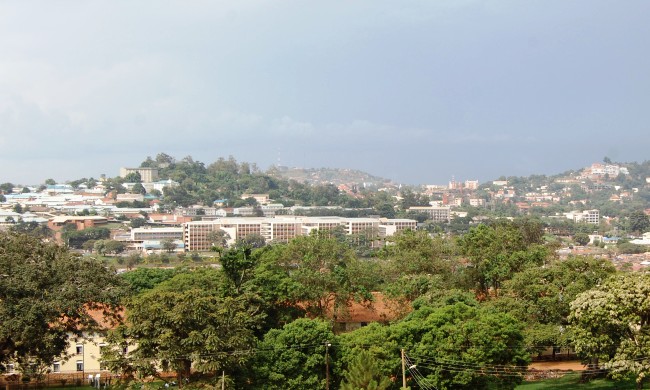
(414, 91)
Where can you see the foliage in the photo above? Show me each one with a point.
(138, 222)
(76, 238)
(250, 241)
(611, 324)
(629, 248)
(32, 228)
(499, 250)
(638, 221)
(363, 374)
(318, 264)
(464, 335)
(541, 296)
(46, 293)
(104, 247)
(143, 279)
(581, 238)
(293, 357)
(219, 238)
(374, 339)
(185, 322)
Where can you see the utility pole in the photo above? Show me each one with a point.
(223, 380)
(327, 365)
(403, 371)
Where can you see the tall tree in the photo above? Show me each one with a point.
(363, 374)
(185, 323)
(462, 345)
(497, 251)
(319, 265)
(46, 293)
(611, 325)
(293, 358)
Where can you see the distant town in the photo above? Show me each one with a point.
(157, 203)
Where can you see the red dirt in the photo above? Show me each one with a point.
(574, 365)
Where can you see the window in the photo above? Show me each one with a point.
(10, 369)
(56, 367)
(80, 349)
(80, 365)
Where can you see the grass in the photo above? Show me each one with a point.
(572, 381)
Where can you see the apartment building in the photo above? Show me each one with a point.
(436, 213)
(197, 235)
(587, 216)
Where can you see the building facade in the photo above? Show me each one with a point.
(197, 234)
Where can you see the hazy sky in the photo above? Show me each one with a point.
(416, 91)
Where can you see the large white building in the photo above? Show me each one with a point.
(436, 213)
(197, 235)
(587, 216)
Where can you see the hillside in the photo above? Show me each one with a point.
(335, 176)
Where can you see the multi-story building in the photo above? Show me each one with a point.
(437, 214)
(476, 202)
(587, 216)
(197, 234)
(147, 175)
(157, 234)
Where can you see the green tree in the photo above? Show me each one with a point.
(32, 228)
(480, 340)
(638, 222)
(540, 297)
(75, 238)
(319, 265)
(375, 339)
(581, 238)
(497, 251)
(169, 245)
(138, 222)
(611, 325)
(138, 188)
(363, 374)
(46, 294)
(293, 357)
(133, 177)
(7, 188)
(185, 323)
(251, 241)
(114, 247)
(144, 279)
(219, 238)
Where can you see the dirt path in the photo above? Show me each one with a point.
(574, 365)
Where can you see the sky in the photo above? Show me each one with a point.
(414, 91)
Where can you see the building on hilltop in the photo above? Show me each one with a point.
(147, 175)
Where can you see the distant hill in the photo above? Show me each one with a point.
(335, 176)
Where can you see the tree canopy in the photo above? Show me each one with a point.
(611, 325)
(47, 294)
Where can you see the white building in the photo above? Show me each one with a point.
(587, 216)
(282, 229)
(436, 213)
